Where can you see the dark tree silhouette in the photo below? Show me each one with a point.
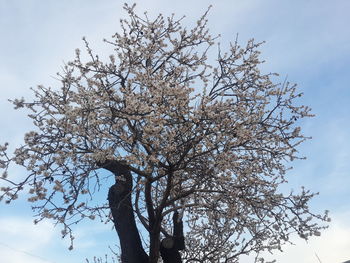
(197, 151)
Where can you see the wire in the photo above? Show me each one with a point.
(25, 252)
(319, 260)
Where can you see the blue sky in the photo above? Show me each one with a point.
(307, 41)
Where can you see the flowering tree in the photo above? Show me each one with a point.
(197, 152)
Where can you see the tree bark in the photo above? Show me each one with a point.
(120, 203)
(170, 247)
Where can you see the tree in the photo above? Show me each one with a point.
(197, 152)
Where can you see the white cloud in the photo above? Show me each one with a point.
(14, 226)
(14, 256)
(22, 241)
(331, 247)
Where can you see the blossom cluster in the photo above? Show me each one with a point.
(210, 140)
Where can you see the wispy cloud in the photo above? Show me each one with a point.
(22, 241)
(331, 247)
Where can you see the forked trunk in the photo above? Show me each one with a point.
(120, 203)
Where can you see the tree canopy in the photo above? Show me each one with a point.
(198, 150)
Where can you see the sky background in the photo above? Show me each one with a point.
(307, 41)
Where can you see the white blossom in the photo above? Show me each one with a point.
(209, 140)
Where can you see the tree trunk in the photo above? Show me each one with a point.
(170, 247)
(154, 245)
(120, 203)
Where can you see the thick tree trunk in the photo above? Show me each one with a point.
(154, 245)
(170, 247)
(120, 203)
